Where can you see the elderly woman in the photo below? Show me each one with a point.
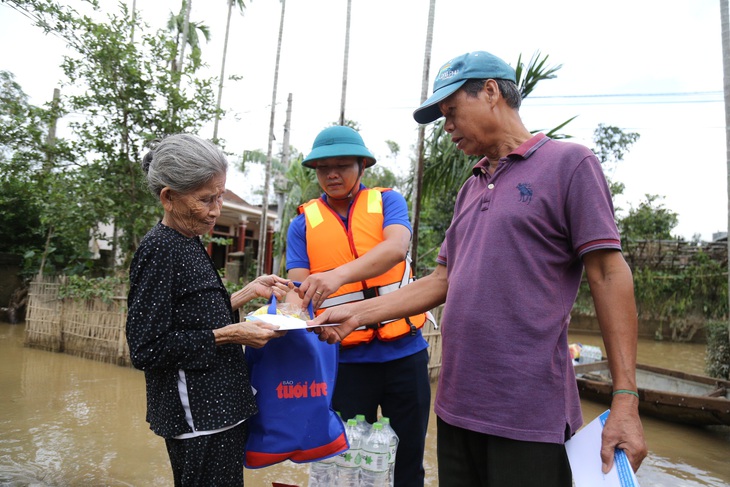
(182, 326)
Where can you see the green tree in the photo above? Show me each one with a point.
(30, 181)
(178, 25)
(122, 95)
(611, 145)
(648, 221)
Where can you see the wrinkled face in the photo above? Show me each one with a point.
(196, 212)
(338, 176)
(470, 122)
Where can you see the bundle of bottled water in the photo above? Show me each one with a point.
(369, 462)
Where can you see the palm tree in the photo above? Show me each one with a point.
(180, 25)
(241, 6)
(726, 86)
(261, 261)
(177, 25)
(344, 64)
(186, 5)
(418, 173)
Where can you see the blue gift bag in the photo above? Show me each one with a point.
(294, 378)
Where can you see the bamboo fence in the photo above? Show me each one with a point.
(95, 329)
(43, 318)
(86, 328)
(432, 334)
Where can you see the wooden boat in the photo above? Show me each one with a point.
(663, 393)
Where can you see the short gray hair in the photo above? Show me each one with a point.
(183, 162)
(509, 90)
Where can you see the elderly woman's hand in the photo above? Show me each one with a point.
(254, 334)
(262, 287)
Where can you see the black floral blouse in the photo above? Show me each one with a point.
(176, 299)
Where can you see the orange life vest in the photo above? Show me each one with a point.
(330, 245)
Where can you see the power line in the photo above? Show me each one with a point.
(694, 97)
(628, 95)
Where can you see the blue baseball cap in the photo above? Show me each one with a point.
(453, 75)
(338, 141)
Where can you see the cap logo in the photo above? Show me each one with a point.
(446, 72)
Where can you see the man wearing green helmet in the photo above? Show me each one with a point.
(349, 245)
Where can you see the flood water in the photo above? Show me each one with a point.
(68, 421)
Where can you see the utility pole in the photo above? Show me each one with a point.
(260, 267)
(345, 63)
(418, 176)
(725, 30)
(280, 183)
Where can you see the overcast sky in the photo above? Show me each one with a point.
(649, 66)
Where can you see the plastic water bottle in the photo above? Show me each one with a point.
(322, 472)
(393, 444)
(590, 354)
(363, 425)
(348, 462)
(374, 464)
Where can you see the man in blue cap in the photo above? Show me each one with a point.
(350, 245)
(533, 216)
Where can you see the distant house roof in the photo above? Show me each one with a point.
(234, 198)
(234, 206)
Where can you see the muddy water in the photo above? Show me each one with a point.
(67, 421)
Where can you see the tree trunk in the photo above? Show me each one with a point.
(726, 87)
(186, 28)
(345, 63)
(418, 173)
(223, 72)
(134, 18)
(267, 180)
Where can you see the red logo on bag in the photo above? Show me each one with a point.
(287, 390)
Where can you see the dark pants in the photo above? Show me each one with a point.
(402, 390)
(469, 459)
(209, 460)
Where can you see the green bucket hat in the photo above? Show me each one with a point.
(453, 75)
(338, 141)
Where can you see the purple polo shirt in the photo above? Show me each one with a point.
(513, 256)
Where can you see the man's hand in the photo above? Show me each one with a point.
(317, 287)
(623, 430)
(345, 316)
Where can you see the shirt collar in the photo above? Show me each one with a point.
(524, 151)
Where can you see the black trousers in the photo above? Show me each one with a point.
(209, 460)
(470, 459)
(402, 390)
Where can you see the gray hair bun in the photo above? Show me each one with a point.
(147, 160)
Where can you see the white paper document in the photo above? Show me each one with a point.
(584, 454)
(283, 322)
